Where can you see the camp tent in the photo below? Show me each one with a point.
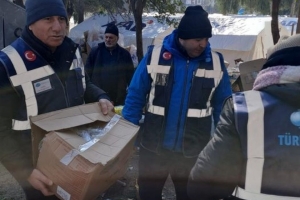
(239, 37)
(236, 37)
(126, 26)
(244, 37)
(290, 23)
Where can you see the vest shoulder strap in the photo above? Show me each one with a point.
(155, 55)
(216, 61)
(243, 194)
(249, 112)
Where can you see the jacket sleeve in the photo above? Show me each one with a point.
(9, 99)
(89, 65)
(9, 102)
(218, 167)
(137, 93)
(222, 92)
(127, 70)
(92, 92)
(129, 67)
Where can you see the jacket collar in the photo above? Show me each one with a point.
(39, 47)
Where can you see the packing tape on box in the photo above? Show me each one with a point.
(74, 152)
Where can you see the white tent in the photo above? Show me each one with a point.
(244, 37)
(290, 23)
(126, 29)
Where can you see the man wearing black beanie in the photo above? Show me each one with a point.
(40, 72)
(182, 84)
(194, 24)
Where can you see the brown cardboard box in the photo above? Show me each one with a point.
(81, 175)
(249, 71)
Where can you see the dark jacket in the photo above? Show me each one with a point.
(60, 61)
(111, 70)
(221, 166)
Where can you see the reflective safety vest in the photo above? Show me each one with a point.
(270, 140)
(38, 85)
(198, 124)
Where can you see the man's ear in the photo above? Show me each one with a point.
(180, 40)
(30, 27)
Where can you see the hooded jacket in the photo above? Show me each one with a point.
(221, 166)
(177, 106)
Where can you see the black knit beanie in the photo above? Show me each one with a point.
(113, 29)
(39, 9)
(194, 24)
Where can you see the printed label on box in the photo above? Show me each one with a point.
(61, 192)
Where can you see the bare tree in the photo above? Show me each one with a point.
(79, 7)
(69, 7)
(274, 22)
(298, 23)
(164, 9)
(293, 8)
(137, 7)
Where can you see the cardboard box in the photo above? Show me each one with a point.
(249, 71)
(81, 173)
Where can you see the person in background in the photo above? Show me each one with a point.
(182, 85)
(40, 72)
(255, 152)
(110, 66)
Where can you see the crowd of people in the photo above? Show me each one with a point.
(181, 87)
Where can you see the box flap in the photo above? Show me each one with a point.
(112, 144)
(70, 117)
(108, 147)
(249, 71)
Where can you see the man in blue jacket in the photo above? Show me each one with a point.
(40, 72)
(182, 85)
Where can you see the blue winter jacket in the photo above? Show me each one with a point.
(141, 84)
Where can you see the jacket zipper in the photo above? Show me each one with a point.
(158, 147)
(63, 88)
(181, 104)
(189, 97)
(66, 94)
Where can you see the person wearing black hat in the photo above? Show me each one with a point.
(40, 72)
(110, 66)
(182, 84)
(255, 154)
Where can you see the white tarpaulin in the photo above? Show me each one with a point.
(245, 37)
(290, 23)
(151, 28)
